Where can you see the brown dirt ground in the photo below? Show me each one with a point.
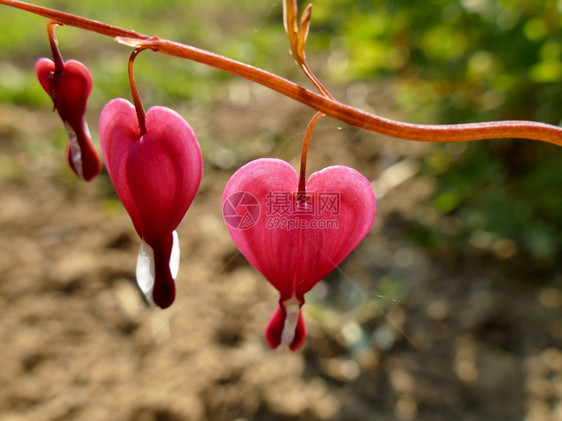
(397, 334)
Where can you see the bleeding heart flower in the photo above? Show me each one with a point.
(156, 175)
(69, 89)
(295, 240)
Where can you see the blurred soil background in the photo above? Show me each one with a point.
(448, 310)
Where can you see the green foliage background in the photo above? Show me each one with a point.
(464, 61)
(459, 61)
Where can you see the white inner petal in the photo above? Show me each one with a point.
(75, 152)
(292, 309)
(145, 271)
(175, 256)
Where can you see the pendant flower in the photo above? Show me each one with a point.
(156, 176)
(69, 89)
(296, 239)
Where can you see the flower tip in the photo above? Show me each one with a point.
(82, 156)
(161, 291)
(286, 327)
(164, 295)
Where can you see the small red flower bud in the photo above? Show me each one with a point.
(156, 175)
(295, 239)
(69, 89)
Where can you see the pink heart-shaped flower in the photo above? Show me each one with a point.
(295, 240)
(69, 89)
(156, 176)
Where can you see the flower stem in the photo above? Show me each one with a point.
(350, 115)
(304, 153)
(135, 93)
(57, 55)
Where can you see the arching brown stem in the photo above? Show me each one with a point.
(350, 115)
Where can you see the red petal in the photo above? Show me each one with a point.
(325, 249)
(119, 130)
(69, 90)
(44, 69)
(164, 170)
(294, 260)
(272, 252)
